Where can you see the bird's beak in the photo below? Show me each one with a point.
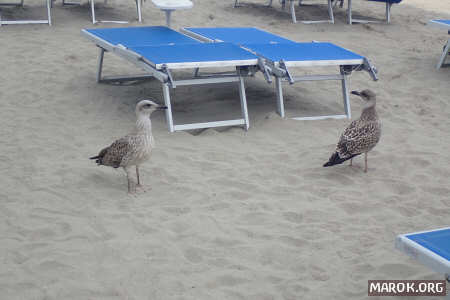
(162, 107)
(356, 93)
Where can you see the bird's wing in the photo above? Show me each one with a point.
(116, 152)
(359, 137)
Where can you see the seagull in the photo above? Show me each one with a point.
(361, 135)
(134, 148)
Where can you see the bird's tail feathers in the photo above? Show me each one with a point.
(335, 159)
(98, 159)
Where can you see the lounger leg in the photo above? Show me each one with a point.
(388, 12)
(280, 103)
(49, 15)
(166, 94)
(93, 11)
(345, 95)
(330, 11)
(294, 18)
(444, 55)
(139, 10)
(100, 64)
(243, 101)
(349, 12)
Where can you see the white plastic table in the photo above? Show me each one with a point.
(170, 5)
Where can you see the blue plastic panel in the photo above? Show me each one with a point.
(302, 52)
(141, 36)
(436, 241)
(445, 22)
(239, 35)
(187, 53)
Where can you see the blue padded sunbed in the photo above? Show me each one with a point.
(446, 50)
(277, 55)
(160, 51)
(431, 248)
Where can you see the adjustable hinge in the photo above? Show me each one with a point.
(287, 73)
(366, 66)
(373, 72)
(265, 70)
(169, 76)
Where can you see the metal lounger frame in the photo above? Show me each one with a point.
(445, 54)
(10, 22)
(281, 72)
(94, 20)
(446, 49)
(164, 75)
(352, 20)
(330, 4)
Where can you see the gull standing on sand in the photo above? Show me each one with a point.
(134, 148)
(361, 135)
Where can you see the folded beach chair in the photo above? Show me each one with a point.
(330, 4)
(161, 52)
(388, 3)
(45, 21)
(94, 20)
(431, 248)
(278, 56)
(446, 50)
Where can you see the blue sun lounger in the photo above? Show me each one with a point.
(277, 56)
(446, 51)
(431, 248)
(161, 51)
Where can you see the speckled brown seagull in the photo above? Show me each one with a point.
(134, 148)
(361, 135)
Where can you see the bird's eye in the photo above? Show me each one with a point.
(147, 105)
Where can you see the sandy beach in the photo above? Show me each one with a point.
(229, 213)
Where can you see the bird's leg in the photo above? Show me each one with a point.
(365, 162)
(351, 161)
(139, 181)
(130, 183)
(137, 176)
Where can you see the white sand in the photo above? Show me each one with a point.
(230, 214)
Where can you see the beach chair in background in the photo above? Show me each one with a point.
(278, 57)
(94, 20)
(330, 5)
(168, 6)
(431, 248)
(388, 3)
(161, 52)
(44, 21)
(446, 50)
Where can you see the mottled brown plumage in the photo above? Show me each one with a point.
(132, 149)
(361, 135)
